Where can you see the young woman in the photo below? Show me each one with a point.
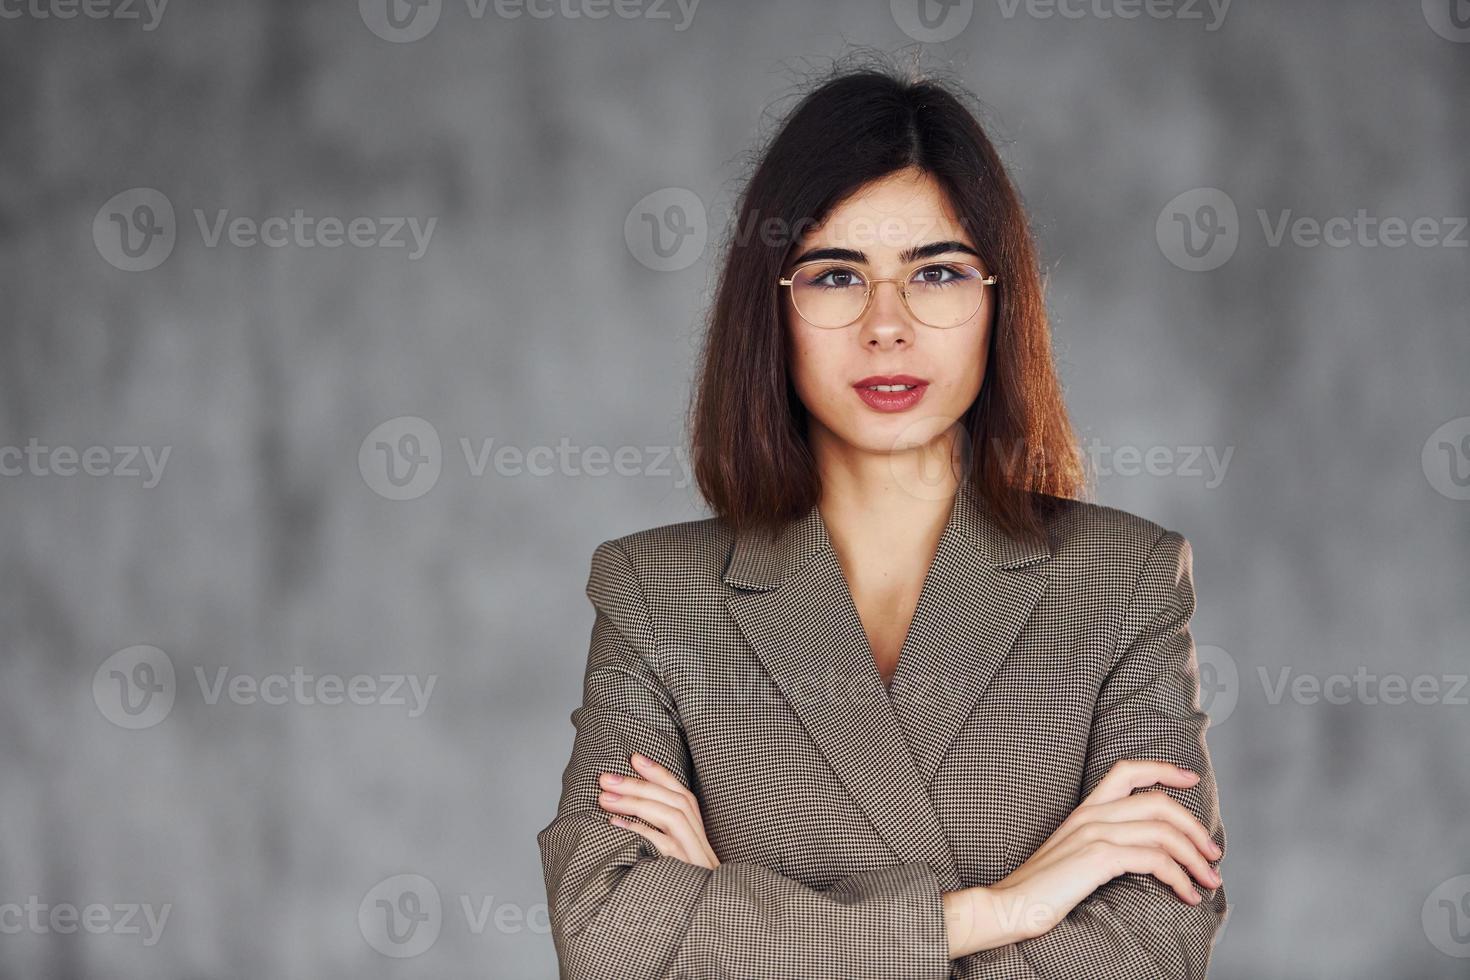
(904, 707)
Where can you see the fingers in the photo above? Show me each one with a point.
(1116, 830)
(1130, 774)
(644, 789)
(653, 772)
(1113, 799)
(634, 798)
(1156, 805)
(663, 802)
(660, 776)
(671, 821)
(1116, 860)
(1157, 834)
(667, 846)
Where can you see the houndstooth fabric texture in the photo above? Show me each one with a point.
(840, 809)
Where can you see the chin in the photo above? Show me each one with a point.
(899, 432)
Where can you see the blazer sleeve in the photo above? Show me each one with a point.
(1148, 708)
(619, 909)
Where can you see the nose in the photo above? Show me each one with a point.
(887, 322)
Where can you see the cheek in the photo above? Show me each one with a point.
(816, 360)
(965, 353)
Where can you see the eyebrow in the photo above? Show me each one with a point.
(927, 251)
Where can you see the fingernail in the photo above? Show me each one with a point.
(639, 760)
(613, 777)
(611, 796)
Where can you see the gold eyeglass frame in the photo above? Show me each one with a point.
(903, 293)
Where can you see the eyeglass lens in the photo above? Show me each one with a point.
(940, 295)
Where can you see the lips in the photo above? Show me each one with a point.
(889, 379)
(891, 392)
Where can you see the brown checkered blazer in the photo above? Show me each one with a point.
(841, 809)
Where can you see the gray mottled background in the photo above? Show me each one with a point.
(1333, 550)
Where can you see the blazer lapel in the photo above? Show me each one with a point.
(981, 589)
(885, 744)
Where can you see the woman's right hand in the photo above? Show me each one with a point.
(1114, 831)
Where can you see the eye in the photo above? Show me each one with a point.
(832, 277)
(942, 275)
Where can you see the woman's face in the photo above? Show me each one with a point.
(871, 232)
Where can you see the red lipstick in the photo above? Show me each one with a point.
(891, 392)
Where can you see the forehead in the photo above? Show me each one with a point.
(890, 214)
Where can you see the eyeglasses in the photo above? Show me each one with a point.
(939, 294)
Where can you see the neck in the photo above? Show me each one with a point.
(903, 497)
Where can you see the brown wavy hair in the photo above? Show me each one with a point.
(749, 449)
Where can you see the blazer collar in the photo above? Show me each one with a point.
(794, 608)
(764, 561)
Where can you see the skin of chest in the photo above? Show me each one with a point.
(886, 610)
(885, 590)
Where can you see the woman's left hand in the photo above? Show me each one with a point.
(660, 800)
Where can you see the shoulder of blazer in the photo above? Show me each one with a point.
(1100, 547)
(633, 575)
(679, 553)
(1081, 525)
